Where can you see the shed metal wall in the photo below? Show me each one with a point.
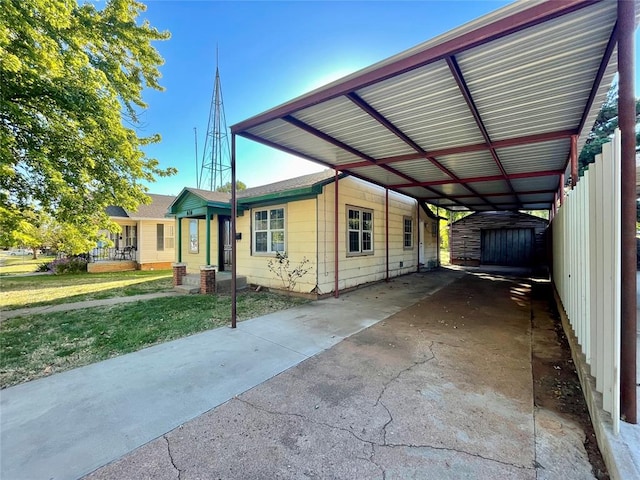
(465, 241)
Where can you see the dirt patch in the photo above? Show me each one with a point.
(556, 384)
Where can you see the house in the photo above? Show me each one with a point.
(146, 240)
(498, 238)
(375, 239)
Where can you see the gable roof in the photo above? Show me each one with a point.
(479, 118)
(157, 209)
(501, 214)
(289, 184)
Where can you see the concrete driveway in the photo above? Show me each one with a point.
(442, 389)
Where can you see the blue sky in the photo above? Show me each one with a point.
(269, 53)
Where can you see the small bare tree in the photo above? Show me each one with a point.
(289, 275)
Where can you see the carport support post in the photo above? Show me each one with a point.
(626, 116)
(574, 161)
(234, 212)
(336, 292)
(386, 230)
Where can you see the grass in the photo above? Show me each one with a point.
(10, 265)
(38, 345)
(34, 291)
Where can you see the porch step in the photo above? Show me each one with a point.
(187, 289)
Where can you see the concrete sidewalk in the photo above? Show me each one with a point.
(69, 424)
(443, 389)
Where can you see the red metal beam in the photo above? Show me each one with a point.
(500, 194)
(234, 247)
(477, 147)
(336, 226)
(327, 138)
(386, 230)
(516, 22)
(627, 122)
(573, 155)
(360, 102)
(468, 98)
(334, 141)
(491, 178)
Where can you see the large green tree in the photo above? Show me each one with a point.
(71, 83)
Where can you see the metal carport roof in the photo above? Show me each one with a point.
(480, 118)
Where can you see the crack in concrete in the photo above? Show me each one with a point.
(374, 444)
(307, 419)
(477, 455)
(393, 379)
(171, 457)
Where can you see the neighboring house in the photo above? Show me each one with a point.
(498, 238)
(297, 216)
(146, 241)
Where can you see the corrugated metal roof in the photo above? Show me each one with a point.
(479, 118)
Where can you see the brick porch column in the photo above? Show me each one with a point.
(208, 279)
(179, 271)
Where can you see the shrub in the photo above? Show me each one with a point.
(44, 267)
(68, 265)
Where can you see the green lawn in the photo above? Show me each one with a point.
(10, 264)
(33, 291)
(38, 345)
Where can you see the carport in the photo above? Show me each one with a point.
(488, 117)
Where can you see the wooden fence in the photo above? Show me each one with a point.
(586, 270)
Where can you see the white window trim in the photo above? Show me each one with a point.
(268, 209)
(361, 252)
(169, 237)
(404, 233)
(193, 247)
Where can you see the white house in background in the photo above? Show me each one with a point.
(146, 241)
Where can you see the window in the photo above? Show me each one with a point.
(193, 236)
(169, 237)
(130, 236)
(408, 233)
(160, 237)
(359, 231)
(268, 230)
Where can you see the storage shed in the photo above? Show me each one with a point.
(498, 238)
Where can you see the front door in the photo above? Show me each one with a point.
(224, 260)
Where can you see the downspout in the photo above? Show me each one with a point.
(386, 230)
(561, 189)
(234, 212)
(626, 116)
(336, 293)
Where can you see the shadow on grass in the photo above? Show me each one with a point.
(27, 292)
(38, 345)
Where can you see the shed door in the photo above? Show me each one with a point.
(511, 247)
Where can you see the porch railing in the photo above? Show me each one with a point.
(105, 254)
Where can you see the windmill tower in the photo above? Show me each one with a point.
(215, 166)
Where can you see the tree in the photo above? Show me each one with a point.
(226, 188)
(72, 79)
(604, 126)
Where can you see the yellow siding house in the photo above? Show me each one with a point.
(379, 235)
